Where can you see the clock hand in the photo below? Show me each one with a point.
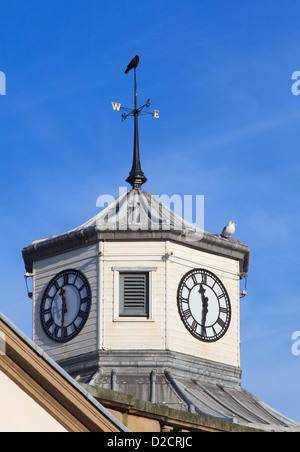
(64, 309)
(204, 305)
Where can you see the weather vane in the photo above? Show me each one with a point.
(136, 176)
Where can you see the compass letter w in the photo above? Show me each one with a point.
(116, 106)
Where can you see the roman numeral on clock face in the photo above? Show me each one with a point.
(221, 322)
(186, 314)
(193, 276)
(194, 326)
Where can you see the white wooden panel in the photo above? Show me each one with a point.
(85, 260)
(226, 349)
(134, 333)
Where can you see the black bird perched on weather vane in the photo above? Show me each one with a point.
(133, 64)
(136, 176)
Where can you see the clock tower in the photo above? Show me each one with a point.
(140, 301)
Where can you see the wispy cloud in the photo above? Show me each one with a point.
(241, 133)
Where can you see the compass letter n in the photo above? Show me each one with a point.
(116, 106)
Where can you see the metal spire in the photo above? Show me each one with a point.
(136, 176)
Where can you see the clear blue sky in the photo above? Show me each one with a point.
(220, 74)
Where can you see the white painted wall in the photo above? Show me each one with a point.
(133, 333)
(20, 413)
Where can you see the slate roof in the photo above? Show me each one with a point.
(230, 403)
(138, 215)
(179, 381)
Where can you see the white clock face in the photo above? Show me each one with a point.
(203, 305)
(71, 294)
(65, 305)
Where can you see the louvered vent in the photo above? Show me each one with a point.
(134, 294)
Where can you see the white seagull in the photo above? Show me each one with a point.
(229, 229)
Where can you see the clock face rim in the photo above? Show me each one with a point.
(51, 283)
(198, 336)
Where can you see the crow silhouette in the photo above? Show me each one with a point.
(133, 64)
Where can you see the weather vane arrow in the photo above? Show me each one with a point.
(136, 176)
